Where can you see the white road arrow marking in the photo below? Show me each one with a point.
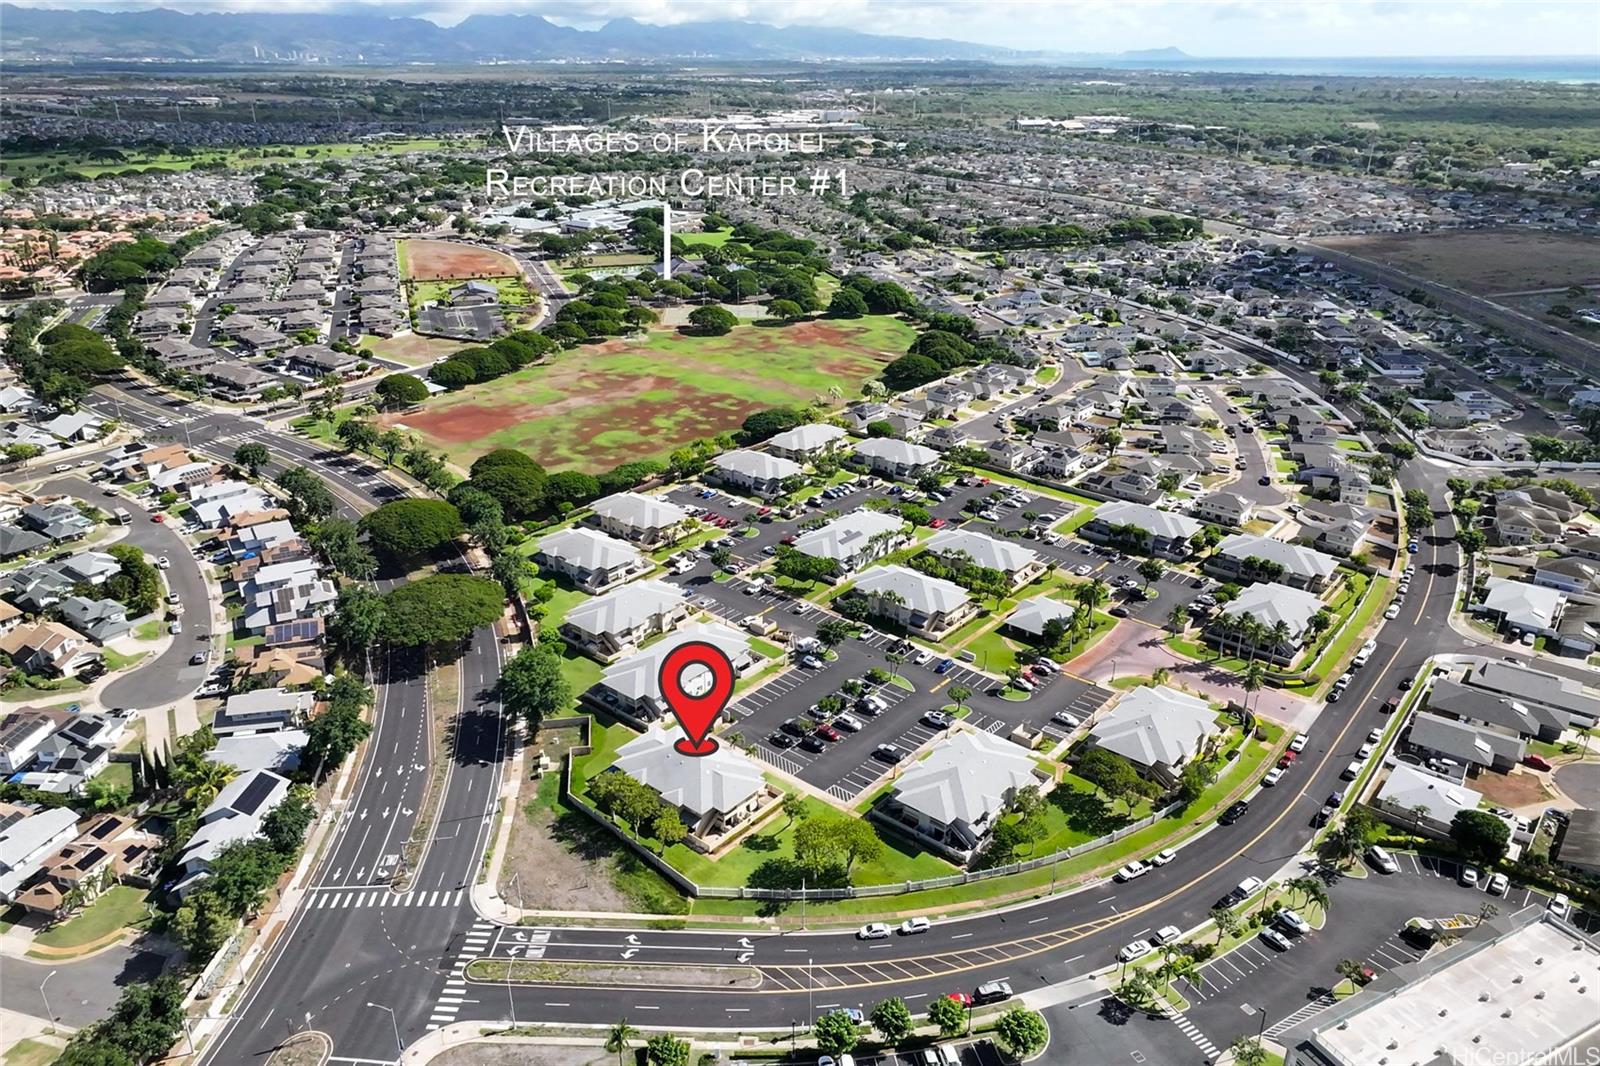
(407, 811)
(744, 956)
(386, 812)
(519, 936)
(630, 953)
(632, 939)
(744, 942)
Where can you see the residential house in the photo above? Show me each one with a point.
(1224, 509)
(1523, 718)
(644, 520)
(611, 626)
(592, 561)
(853, 540)
(1519, 607)
(930, 607)
(99, 620)
(1140, 528)
(1570, 574)
(247, 752)
(1127, 485)
(1019, 565)
(1422, 801)
(897, 459)
(1334, 527)
(1568, 697)
(28, 836)
(1473, 746)
(956, 795)
(713, 794)
(60, 520)
(110, 847)
(21, 734)
(49, 648)
(234, 817)
(755, 472)
(1245, 557)
(264, 710)
(1158, 729)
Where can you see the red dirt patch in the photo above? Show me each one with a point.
(441, 260)
(463, 424)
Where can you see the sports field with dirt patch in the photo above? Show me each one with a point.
(596, 406)
(422, 260)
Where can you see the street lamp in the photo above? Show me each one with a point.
(399, 1048)
(47, 1012)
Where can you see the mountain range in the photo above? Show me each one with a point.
(49, 34)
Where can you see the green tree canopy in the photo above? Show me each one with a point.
(404, 529)
(440, 610)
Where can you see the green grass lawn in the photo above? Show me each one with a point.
(996, 653)
(643, 398)
(34, 164)
(118, 773)
(117, 907)
(31, 1053)
(713, 239)
(116, 660)
(150, 630)
(513, 293)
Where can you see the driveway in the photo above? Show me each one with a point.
(169, 677)
(1133, 649)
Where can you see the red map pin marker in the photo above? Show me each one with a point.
(696, 680)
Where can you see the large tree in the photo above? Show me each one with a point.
(440, 610)
(892, 1018)
(712, 320)
(532, 686)
(512, 478)
(401, 390)
(408, 528)
(310, 500)
(1022, 1031)
(1480, 835)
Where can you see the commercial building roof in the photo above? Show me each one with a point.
(623, 609)
(917, 591)
(699, 784)
(1156, 725)
(1152, 520)
(1003, 555)
(588, 550)
(757, 465)
(1269, 603)
(640, 511)
(1295, 559)
(900, 452)
(967, 777)
(807, 438)
(848, 536)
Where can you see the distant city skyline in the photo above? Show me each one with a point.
(1237, 28)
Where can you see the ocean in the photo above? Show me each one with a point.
(1499, 68)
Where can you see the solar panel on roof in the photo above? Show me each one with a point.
(10, 820)
(94, 856)
(255, 794)
(106, 827)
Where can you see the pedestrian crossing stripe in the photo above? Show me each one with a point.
(331, 899)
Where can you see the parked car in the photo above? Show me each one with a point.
(1382, 861)
(1136, 950)
(1234, 812)
(1560, 905)
(873, 931)
(1298, 744)
(912, 926)
(1275, 938)
(1163, 857)
(780, 740)
(1167, 934)
(813, 743)
(936, 719)
(1291, 920)
(1131, 872)
(1498, 884)
(1272, 777)
(1537, 762)
(887, 753)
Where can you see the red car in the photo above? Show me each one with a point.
(763, 512)
(961, 998)
(1287, 760)
(790, 539)
(1537, 762)
(158, 517)
(937, 523)
(827, 732)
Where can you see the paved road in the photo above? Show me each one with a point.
(169, 677)
(79, 992)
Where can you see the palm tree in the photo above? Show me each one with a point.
(1178, 619)
(1161, 676)
(1092, 594)
(1279, 634)
(1255, 678)
(202, 782)
(619, 1037)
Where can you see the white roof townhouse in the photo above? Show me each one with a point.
(1020, 565)
(855, 539)
(592, 561)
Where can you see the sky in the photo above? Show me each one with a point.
(1231, 28)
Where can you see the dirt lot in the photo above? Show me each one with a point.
(1513, 790)
(600, 405)
(554, 861)
(438, 260)
(1484, 262)
(412, 349)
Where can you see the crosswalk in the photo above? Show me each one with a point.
(1190, 1030)
(454, 993)
(335, 898)
(1283, 1025)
